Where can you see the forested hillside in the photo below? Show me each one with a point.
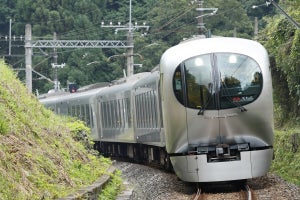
(169, 21)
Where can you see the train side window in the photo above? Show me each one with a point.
(124, 114)
(91, 117)
(103, 115)
(78, 111)
(128, 112)
(108, 114)
(69, 111)
(73, 110)
(114, 113)
(118, 113)
(177, 85)
(148, 111)
(111, 114)
(138, 111)
(150, 108)
(120, 102)
(155, 109)
(82, 113)
(142, 110)
(88, 116)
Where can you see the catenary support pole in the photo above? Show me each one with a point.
(28, 57)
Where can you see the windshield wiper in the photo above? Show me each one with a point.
(203, 108)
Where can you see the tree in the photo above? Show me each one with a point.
(282, 40)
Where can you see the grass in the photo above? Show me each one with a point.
(287, 154)
(113, 188)
(39, 156)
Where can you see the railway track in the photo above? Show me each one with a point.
(243, 192)
(198, 195)
(247, 193)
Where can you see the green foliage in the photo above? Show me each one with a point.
(80, 132)
(3, 124)
(287, 161)
(113, 188)
(39, 158)
(282, 41)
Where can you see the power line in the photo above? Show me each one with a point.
(284, 13)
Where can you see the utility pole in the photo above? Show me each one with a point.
(255, 28)
(56, 82)
(55, 66)
(130, 28)
(9, 46)
(130, 68)
(28, 57)
(201, 24)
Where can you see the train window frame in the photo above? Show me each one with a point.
(214, 98)
(91, 116)
(82, 112)
(148, 113)
(87, 115)
(129, 113)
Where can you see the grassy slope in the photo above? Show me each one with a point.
(287, 154)
(38, 157)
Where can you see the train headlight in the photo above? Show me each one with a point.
(199, 62)
(232, 59)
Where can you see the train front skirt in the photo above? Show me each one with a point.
(196, 168)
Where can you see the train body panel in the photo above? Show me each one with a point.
(217, 105)
(116, 111)
(147, 111)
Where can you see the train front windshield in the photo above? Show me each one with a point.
(217, 81)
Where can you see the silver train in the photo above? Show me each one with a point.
(206, 112)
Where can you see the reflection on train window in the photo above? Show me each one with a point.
(241, 79)
(198, 82)
(230, 79)
(198, 73)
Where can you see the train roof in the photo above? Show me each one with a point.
(194, 47)
(123, 85)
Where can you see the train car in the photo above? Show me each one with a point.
(115, 111)
(206, 112)
(217, 109)
(79, 104)
(130, 120)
